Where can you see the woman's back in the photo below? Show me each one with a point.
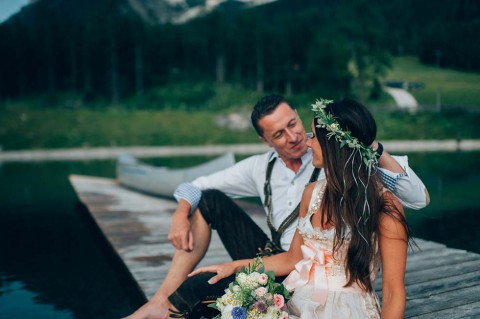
(325, 294)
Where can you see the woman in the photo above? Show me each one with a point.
(348, 225)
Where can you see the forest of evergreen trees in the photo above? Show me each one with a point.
(287, 46)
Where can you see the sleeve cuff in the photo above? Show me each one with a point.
(389, 178)
(190, 193)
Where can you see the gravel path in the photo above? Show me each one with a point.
(403, 98)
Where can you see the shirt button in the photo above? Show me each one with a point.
(289, 203)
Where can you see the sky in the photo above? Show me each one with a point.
(9, 7)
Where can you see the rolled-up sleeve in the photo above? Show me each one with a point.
(190, 193)
(236, 181)
(407, 186)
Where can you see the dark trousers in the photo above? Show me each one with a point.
(242, 238)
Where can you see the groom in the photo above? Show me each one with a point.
(278, 177)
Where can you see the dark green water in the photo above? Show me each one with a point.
(54, 262)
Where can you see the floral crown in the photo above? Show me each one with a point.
(328, 121)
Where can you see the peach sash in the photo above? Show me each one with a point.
(312, 269)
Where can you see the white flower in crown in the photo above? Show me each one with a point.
(334, 127)
(327, 121)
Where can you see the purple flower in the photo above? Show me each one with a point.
(261, 306)
(239, 313)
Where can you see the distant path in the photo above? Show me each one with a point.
(403, 98)
(74, 154)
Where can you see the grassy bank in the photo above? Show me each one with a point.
(37, 129)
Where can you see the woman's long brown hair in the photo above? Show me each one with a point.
(349, 187)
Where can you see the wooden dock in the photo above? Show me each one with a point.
(441, 282)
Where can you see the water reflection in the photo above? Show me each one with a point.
(456, 229)
(19, 302)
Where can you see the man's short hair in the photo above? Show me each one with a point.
(265, 106)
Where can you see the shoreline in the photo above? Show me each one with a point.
(93, 153)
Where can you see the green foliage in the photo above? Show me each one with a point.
(195, 96)
(66, 120)
(114, 56)
(181, 96)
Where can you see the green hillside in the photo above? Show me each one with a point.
(454, 88)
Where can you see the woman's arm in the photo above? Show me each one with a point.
(393, 243)
(281, 264)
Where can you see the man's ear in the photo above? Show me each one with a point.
(264, 140)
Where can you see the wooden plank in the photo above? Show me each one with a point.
(443, 285)
(443, 301)
(137, 226)
(441, 282)
(471, 310)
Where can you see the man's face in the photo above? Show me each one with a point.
(283, 130)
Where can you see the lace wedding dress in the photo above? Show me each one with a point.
(319, 278)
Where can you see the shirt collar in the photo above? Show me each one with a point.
(306, 158)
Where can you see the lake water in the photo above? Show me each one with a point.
(55, 263)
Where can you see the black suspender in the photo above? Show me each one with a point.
(267, 189)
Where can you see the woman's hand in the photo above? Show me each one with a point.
(222, 270)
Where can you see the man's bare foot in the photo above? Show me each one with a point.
(152, 310)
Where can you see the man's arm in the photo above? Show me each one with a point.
(402, 180)
(235, 181)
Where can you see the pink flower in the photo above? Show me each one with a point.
(260, 291)
(262, 280)
(283, 315)
(279, 301)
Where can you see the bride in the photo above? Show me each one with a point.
(349, 226)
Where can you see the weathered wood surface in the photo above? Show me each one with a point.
(441, 282)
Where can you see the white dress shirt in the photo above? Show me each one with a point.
(247, 177)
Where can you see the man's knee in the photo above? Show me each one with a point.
(195, 293)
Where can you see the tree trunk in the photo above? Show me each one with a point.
(220, 69)
(138, 69)
(114, 68)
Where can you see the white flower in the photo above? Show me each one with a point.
(283, 315)
(227, 312)
(249, 281)
(242, 278)
(255, 275)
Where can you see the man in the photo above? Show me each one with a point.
(278, 177)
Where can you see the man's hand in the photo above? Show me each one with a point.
(180, 234)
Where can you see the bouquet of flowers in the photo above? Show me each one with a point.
(253, 294)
